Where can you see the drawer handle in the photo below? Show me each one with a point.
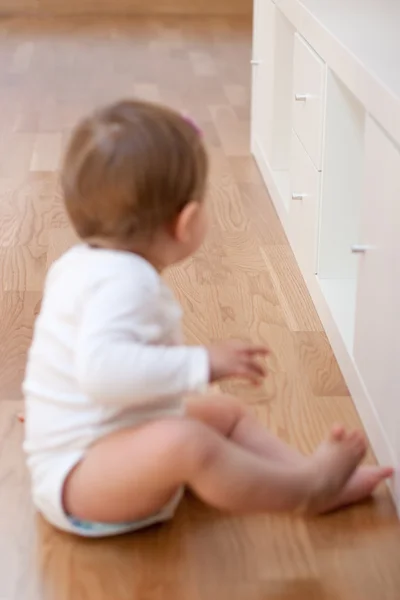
(360, 248)
(255, 62)
(298, 196)
(301, 97)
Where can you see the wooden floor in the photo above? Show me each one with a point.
(127, 7)
(244, 283)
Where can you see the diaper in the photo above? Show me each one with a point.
(94, 529)
(48, 482)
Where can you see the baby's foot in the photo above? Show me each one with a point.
(359, 487)
(332, 465)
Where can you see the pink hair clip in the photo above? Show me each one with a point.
(193, 124)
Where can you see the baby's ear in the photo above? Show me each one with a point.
(186, 221)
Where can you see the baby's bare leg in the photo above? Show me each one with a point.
(229, 416)
(232, 419)
(133, 473)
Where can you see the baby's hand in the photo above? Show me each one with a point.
(237, 359)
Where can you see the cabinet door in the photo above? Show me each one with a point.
(263, 75)
(304, 206)
(377, 332)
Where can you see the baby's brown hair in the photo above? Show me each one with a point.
(130, 168)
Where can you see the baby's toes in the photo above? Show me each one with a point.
(356, 442)
(337, 433)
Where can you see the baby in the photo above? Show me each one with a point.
(118, 418)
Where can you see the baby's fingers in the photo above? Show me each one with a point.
(252, 370)
(256, 368)
(258, 351)
(251, 349)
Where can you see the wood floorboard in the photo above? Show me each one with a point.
(126, 7)
(244, 282)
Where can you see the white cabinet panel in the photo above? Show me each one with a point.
(304, 206)
(308, 98)
(272, 84)
(263, 75)
(377, 334)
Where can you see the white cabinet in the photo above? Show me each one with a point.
(308, 98)
(263, 74)
(272, 92)
(326, 136)
(308, 109)
(377, 331)
(304, 207)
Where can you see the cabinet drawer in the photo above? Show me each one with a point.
(308, 98)
(304, 206)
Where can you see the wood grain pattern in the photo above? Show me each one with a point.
(319, 365)
(128, 7)
(244, 282)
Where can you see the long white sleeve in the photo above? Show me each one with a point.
(106, 353)
(122, 355)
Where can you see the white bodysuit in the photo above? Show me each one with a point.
(106, 354)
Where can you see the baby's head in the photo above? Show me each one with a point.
(134, 178)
